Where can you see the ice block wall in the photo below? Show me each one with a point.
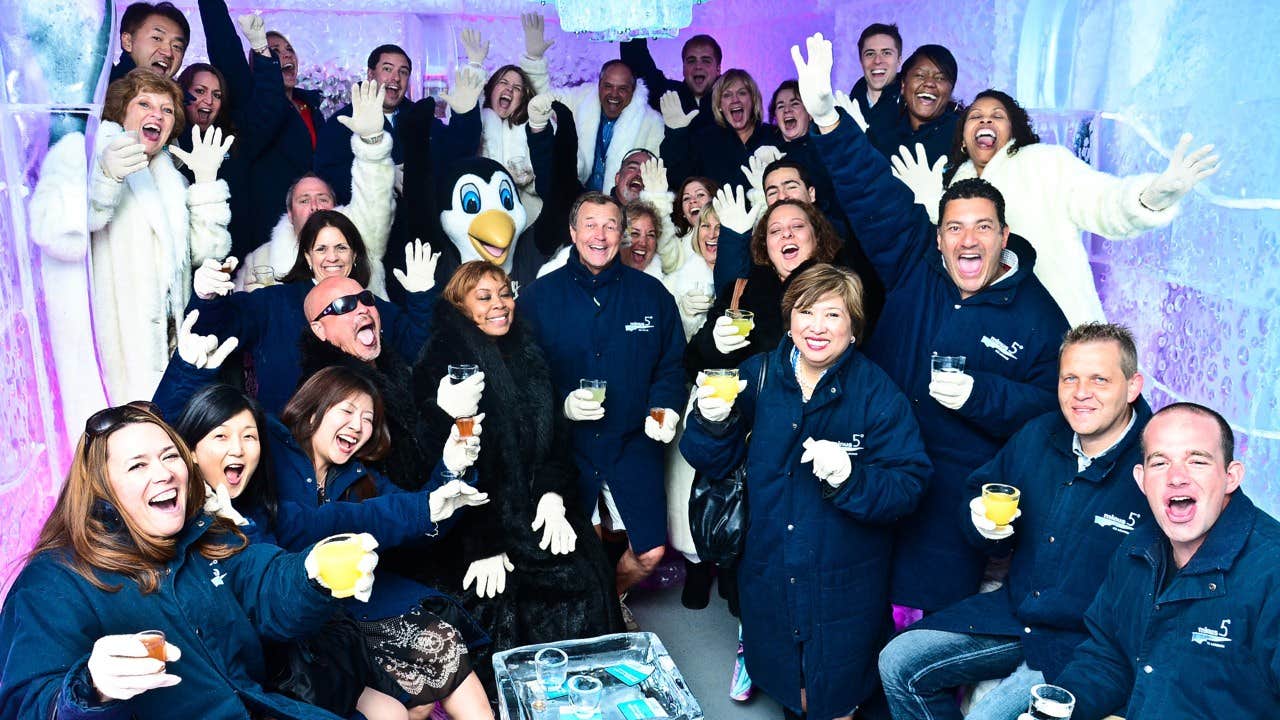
(1201, 294)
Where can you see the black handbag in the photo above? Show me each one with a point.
(718, 509)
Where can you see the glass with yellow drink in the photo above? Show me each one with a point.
(1000, 502)
(725, 383)
(337, 559)
(743, 320)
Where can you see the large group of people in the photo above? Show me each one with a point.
(502, 348)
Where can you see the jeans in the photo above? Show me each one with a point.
(921, 668)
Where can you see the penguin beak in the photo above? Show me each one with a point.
(491, 234)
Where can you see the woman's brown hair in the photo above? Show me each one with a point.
(677, 216)
(520, 114)
(305, 411)
(826, 242)
(138, 81)
(467, 277)
(89, 533)
(817, 282)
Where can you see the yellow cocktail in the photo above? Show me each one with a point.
(337, 559)
(744, 321)
(1000, 502)
(724, 382)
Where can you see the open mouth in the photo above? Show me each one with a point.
(737, 115)
(346, 443)
(393, 88)
(367, 334)
(166, 501)
(635, 185)
(499, 319)
(969, 265)
(789, 124)
(639, 256)
(162, 66)
(234, 473)
(816, 343)
(150, 132)
(927, 100)
(879, 72)
(699, 78)
(985, 138)
(790, 251)
(1180, 508)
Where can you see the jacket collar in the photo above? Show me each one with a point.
(1223, 544)
(1061, 439)
(285, 446)
(1005, 288)
(585, 278)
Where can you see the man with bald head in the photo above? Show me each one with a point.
(342, 313)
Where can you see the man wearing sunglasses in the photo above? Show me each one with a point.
(342, 313)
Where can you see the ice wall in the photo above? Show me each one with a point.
(1201, 294)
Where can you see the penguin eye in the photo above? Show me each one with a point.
(505, 195)
(470, 195)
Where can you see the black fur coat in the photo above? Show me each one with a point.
(524, 452)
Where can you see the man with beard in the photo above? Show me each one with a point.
(597, 319)
(964, 288)
(700, 59)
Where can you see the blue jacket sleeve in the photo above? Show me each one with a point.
(666, 387)
(393, 519)
(635, 53)
(181, 380)
(225, 51)
(716, 449)
(1099, 674)
(455, 141)
(893, 230)
(888, 483)
(333, 156)
(1002, 405)
(410, 328)
(242, 315)
(273, 588)
(733, 260)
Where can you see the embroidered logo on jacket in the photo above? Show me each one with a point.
(1213, 638)
(645, 326)
(1124, 527)
(854, 446)
(1008, 352)
(218, 575)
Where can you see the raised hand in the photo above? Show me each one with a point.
(1183, 173)
(925, 182)
(476, 47)
(207, 153)
(123, 157)
(653, 174)
(419, 274)
(468, 83)
(535, 35)
(850, 106)
(759, 160)
(731, 207)
(255, 31)
(366, 117)
(673, 114)
(814, 78)
(202, 351)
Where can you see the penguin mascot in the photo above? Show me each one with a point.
(483, 219)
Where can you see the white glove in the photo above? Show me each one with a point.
(731, 207)
(694, 303)
(653, 174)
(925, 182)
(202, 351)
(218, 503)
(673, 114)
(1183, 173)
(557, 533)
(830, 463)
(461, 399)
(759, 160)
(814, 78)
(489, 575)
(451, 497)
(851, 106)
(579, 406)
(212, 280)
(951, 389)
(460, 452)
(366, 117)
(468, 83)
(476, 47)
(366, 564)
(983, 524)
(419, 274)
(255, 31)
(540, 111)
(715, 409)
(206, 154)
(535, 36)
(664, 432)
(123, 157)
(726, 336)
(119, 667)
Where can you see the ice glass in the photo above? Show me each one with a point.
(552, 665)
(725, 382)
(1050, 702)
(743, 320)
(585, 693)
(597, 388)
(947, 363)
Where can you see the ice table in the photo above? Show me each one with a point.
(513, 669)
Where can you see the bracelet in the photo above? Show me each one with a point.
(372, 139)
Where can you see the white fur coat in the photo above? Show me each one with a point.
(1050, 196)
(508, 145)
(639, 126)
(147, 233)
(372, 209)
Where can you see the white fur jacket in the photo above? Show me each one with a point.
(372, 209)
(1050, 196)
(639, 126)
(147, 233)
(508, 145)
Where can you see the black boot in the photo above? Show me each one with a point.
(697, 585)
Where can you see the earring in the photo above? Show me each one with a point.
(788, 333)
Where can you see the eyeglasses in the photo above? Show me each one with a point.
(347, 303)
(108, 419)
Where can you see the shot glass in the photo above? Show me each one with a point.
(1001, 502)
(264, 275)
(947, 363)
(552, 664)
(153, 641)
(585, 693)
(1050, 702)
(458, 373)
(597, 388)
(658, 414)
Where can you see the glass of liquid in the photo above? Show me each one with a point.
(458, 373)
(743, 320)
(1000, 502)
(1050, 702)
(725, 383)
(947, 363)
(596, 387)
(585, 693)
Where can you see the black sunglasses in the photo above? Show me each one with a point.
(347, 303)
(108, 419)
